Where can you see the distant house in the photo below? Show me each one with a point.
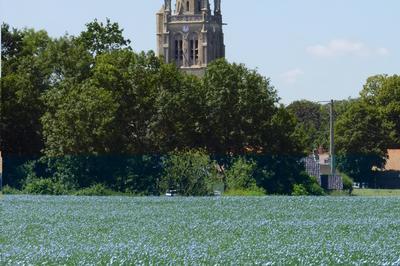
(389, 177)
(319, 166)
(393, 162)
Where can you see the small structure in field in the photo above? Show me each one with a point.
(319, 165)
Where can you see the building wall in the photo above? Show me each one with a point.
(393, 163)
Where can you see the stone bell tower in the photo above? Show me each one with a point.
(190, 35)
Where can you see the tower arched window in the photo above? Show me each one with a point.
(187, 6)
(194, 49)
(178, 49)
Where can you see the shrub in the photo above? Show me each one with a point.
(7, 190)
(347, 182)
(45, 187)
(299, 190)
(191, 173)
(95, 190)
(240, 175)
(313, 188)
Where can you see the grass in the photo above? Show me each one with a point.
(377, 192)
(71, 230)
(244, 193)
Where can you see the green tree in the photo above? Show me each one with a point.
(191, 173)
(69, 60)
(239, 106)
(79, 120)
(135, 82)
(240, 175)
(25, 77)
(179, 119)
(383, 93)
(101, 38)
(362, 138)
(310, 120)
(11, 47)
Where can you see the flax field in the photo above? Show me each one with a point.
(67, 230)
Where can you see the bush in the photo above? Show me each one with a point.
(240, 175)
(278, 173)
(7, 190)
(299, 190)
(191, 173)
(95, 190)
(347, 182)
(45, 187)
(313, 188)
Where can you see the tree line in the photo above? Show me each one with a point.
(365, 127)
(79, 111)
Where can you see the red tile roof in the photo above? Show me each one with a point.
(393, 163)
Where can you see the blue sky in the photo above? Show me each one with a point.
(311, 49)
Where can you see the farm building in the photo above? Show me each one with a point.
(319, 166)
(389, 177)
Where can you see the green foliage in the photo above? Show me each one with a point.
(137, 174)
(313, 188)
(7, 190)
(278, 173)
(309, 186)
(101, 38)
(310, 121)
(79, 120)
(25, 75)
(254, 192)
(88, 110)
(11, 44)
(347, 182)
(377, 193)
(313, 121)
(240, 175)
(382, 92)
(239, 108)
(362, 139)
(45, 187)
(95, 190)
(191, 173)
(299, 190)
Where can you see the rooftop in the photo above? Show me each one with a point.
(393, 163)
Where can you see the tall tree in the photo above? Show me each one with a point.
(26, 77)
(11, 47)
(240, 105)
(310, 120)
(79, 120)
(383, 92)
(362, 139)
(101, 38)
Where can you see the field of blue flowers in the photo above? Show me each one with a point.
(185, 231)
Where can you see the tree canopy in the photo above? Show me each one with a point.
(87, 109)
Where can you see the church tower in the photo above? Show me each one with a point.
(189, 34)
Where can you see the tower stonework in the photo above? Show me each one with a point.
(189, 34)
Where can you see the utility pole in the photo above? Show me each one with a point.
(332, 139)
